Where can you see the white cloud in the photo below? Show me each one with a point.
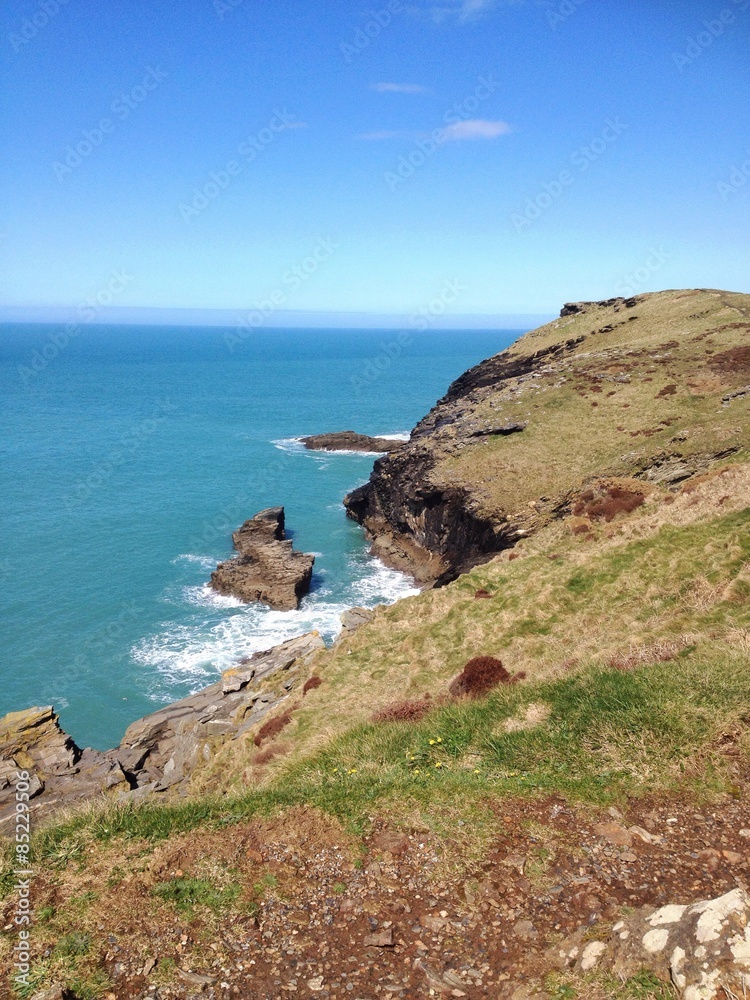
(463, 11)
(474, 128)
(377, 136)
(400, 88)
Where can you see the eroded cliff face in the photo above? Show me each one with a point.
(634, 387)
(437, 532)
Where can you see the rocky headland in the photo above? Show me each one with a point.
(266, 567)
(640, 388)
(350, 441)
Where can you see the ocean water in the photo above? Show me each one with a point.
(127, 458)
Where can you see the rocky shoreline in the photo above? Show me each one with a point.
(157, 754)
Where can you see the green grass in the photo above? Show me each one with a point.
(185, 894)
(602, 986)
(609, 735)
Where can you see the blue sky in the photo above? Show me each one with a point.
(498, 157)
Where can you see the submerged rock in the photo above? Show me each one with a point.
(350, 441)
(266, 569)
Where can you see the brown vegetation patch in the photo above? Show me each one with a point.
(273, 727)
(480, 675)
(606, 502)
(735, 360)
(668, 390)
(403, 711)
(267, 755)
(311, 683)
(482, 595)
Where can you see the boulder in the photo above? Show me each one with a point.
(702, 948)
(350, 441)
(354, 617)
(266, 568)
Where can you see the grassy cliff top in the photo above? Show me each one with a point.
(643, 387)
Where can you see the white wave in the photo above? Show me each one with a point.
(290, 444)
(382, 585)
(197, 653)
(221, 630)
(206, 597)
(205, 562)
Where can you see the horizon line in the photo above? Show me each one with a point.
(251, 318)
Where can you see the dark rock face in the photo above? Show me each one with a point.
(435, 534)
(349, 441)
(157, 754)
(574, 308)
(266, 569)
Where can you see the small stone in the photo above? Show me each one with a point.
(614, 833)
(195, 978)
(642, 834)
(524, 929)
(379, 939)
(732, 857)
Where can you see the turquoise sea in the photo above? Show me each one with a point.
(128, 456)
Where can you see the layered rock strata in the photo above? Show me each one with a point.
(266, 567)
(158, 753)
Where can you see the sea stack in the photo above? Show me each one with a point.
(266, 568)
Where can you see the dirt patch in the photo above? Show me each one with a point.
(549, 870)
(668, 390)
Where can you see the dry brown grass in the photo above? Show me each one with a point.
(404, 711)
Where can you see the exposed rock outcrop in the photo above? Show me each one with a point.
(266, 569)
(353, 618)
(158, 753)
(350, 441)
(701, 949)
